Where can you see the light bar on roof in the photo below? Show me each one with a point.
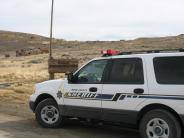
(109, 52)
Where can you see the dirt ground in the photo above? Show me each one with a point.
(17, 121)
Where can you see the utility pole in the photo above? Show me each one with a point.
(51, 29)
(59, 65)
(51, 75)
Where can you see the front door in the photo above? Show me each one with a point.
(82, 98)
(124, 84)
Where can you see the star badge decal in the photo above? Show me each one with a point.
(59, 94)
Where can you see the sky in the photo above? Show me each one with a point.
(94, 19)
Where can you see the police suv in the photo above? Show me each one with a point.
(142, 89)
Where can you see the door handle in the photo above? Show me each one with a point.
(93, 89)
(138, 91)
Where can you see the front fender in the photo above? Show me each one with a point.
(53, 89)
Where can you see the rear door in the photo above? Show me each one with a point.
(124, 83)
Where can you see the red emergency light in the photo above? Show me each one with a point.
(109, 52)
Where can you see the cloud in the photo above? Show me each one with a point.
(94, 19)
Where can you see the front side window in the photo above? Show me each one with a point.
(169, 70)
(92, 72)
(126, 71)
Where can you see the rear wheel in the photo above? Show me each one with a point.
(159, 124)
(48, 115)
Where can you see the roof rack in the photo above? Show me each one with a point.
(152, 51)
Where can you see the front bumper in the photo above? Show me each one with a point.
(32, 101)
(32, 105)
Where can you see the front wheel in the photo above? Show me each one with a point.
(159, 124)
(48, 115)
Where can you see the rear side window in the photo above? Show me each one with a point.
(126, 71)
(169, 70)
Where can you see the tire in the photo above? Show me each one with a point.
(48, 115)
(159, 123)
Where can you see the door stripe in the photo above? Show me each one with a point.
(123, 96)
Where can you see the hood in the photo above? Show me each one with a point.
(49, 86)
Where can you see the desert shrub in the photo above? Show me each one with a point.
(35, 61)
(7, 55)
(22, 89)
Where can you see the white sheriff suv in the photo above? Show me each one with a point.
(141, 89)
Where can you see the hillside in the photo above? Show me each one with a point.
(11, 41)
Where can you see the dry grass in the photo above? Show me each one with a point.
(23, 74)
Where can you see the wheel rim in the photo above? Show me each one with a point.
(50, 114)
(157, 128)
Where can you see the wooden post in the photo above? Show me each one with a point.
(51, 76)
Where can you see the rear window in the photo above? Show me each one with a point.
(169, 70)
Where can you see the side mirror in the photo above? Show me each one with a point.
(70, 77)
